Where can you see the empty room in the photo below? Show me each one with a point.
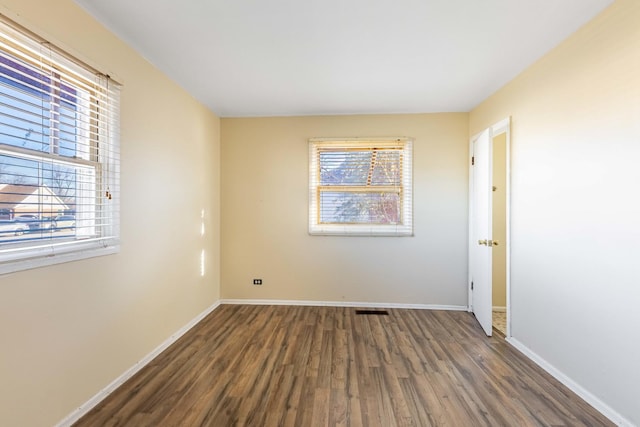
(325, 213)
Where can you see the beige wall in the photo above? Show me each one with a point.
(265, 215)
(575, 206)
(69, 330)
(499, 221)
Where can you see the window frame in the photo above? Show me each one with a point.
(95, 144)
(404, 227)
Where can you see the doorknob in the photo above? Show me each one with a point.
(482, 242)
(493, 242)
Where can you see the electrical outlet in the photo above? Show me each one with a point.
(257, 281)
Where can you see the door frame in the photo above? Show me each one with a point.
(503, 126)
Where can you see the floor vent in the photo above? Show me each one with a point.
(373, 312)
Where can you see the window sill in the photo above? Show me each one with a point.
(44, 261)
(362, 231)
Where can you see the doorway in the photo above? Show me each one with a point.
(499, 233)
(489, 243)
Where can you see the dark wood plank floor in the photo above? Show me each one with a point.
(327, 366)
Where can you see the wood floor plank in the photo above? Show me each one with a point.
(328, 366)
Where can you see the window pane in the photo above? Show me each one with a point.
(41, 200)
(387, 168)
(34, 107)
(359, 208)
(367, 167)
(24, 99)
(23, 123)
(344, 167)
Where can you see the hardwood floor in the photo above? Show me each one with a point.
(327, 366)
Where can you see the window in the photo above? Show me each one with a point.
(360, 187)
(59, 169)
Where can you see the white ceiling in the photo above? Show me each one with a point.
(304, 57)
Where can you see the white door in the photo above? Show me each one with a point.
(481, 221)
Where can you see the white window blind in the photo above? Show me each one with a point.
(59, 154)
(360, 187)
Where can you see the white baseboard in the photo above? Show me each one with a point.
(102, 394)
(345, 304)
(592, 400)
(499, 308)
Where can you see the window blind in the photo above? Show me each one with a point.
(59, 153)
(361, 187)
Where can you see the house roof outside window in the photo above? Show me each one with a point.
(16, 199)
